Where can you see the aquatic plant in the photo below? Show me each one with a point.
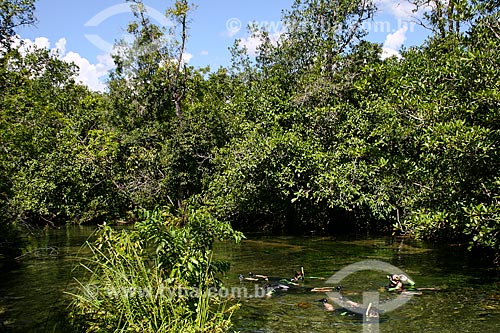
(157, 277)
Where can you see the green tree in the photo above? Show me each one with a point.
(14, 14)
(49, 125)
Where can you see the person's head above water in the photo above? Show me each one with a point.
(395, 278)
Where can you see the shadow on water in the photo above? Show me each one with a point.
(32, 289)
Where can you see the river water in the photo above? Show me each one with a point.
(465, 295)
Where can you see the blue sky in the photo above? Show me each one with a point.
(83, 30)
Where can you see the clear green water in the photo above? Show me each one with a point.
(32, 295)
(32, 291)
(468, 299)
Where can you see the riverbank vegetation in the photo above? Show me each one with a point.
(317, 132)
(159, 277)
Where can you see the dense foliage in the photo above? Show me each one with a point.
(159, 277)
(317, 132)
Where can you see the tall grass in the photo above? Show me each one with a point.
(128, 291)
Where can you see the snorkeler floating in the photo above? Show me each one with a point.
(299, 275)
(253, 277)
(400, 282)
(278, 285)
(327, 306)
(350, 307)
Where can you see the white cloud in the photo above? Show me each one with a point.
(42, 42)
(253, 42)
(61, 46)
(395, 40)
(25, 45)
(91, 74)
(401, 9)
(387, 53)
(88, 74)
(186, 57)
(393, 43)
(204, 52)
